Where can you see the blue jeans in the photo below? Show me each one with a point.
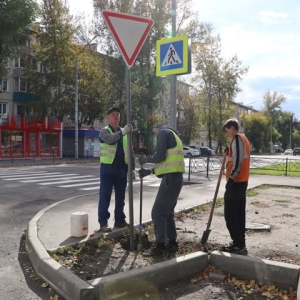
(107, 183)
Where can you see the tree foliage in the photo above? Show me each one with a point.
(16, 17)
(58, 53)
(257, 130)
(218, 80)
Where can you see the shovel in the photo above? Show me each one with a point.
(140, 245)
(207, 231)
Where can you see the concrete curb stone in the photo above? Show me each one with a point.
(158, 275)
(268, 272)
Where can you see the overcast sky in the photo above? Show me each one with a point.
(265, 35)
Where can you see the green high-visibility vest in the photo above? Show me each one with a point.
(108, 152)
(174, 162)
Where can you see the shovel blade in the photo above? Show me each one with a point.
(205, 236)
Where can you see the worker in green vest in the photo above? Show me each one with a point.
(169, 166)
(113, 169)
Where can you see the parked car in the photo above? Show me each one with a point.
(288, 152)
(195, 147)
(205, 151)
(296, 151)
(189, 152)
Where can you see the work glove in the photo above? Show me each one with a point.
(229, 184)
(126, 129)
(133, 175)
(142, 159)
(144, 172)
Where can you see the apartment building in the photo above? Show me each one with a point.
(23, 134)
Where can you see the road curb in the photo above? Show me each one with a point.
(59, 278)
(142, 280)
(268, 272)
(71, 287)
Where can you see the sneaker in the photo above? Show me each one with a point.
(232, 248)
(172, 246)
(154, 252)
(105, 228)
(121, 224)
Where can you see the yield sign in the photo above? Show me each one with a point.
(129, 33)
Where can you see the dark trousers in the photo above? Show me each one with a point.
(163, 208)
(235, 212)
(107, 183)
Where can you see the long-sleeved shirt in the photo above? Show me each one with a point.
(118, 167)
(165, 141)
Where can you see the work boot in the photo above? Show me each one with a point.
(121, 224)
(105, 228)
(158, 250)
(232, 248)
(172, 246)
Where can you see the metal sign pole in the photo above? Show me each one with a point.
(173, 78)
(130, 163)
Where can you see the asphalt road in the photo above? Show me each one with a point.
(19, 202)
(28, 189)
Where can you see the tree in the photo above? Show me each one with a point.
(189, 120)
(272, 108)
(58, 55)
(16, 16)
(146, 87)
(257, 130)
(218, 78)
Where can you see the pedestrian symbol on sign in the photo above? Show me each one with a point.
(171, 57)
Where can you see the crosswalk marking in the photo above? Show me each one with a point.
(78, 184)
(35, 177)
(65, 180)
(60, 182)
(20, 173)
(25, 174)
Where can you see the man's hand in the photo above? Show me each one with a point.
(142, 159)
(144, 172)
(229, 184)
(126, 129)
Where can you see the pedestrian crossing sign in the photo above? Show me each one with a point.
(172, 56)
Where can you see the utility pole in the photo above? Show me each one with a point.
(173, 78)
(290, 135)
(76, 108)
(76, 97)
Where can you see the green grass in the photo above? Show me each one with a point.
(282, 201)
(276, 170)
(251, 193)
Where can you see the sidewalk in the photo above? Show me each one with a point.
(50, 228)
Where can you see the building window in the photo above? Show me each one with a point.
(4, 85)
(21, 85)
(3, 108)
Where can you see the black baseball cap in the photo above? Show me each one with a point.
(112, 109)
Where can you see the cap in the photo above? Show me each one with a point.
(112, 109)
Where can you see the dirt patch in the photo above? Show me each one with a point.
(274, 206)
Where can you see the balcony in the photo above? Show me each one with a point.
(24, 97)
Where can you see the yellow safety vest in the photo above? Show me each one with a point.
(244, 173)
(108, 152)
(174, 162)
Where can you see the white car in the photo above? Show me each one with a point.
(189, 152)
(288, 152)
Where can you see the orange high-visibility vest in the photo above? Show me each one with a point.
(244, 173)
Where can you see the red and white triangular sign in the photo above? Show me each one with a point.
(129, 33)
